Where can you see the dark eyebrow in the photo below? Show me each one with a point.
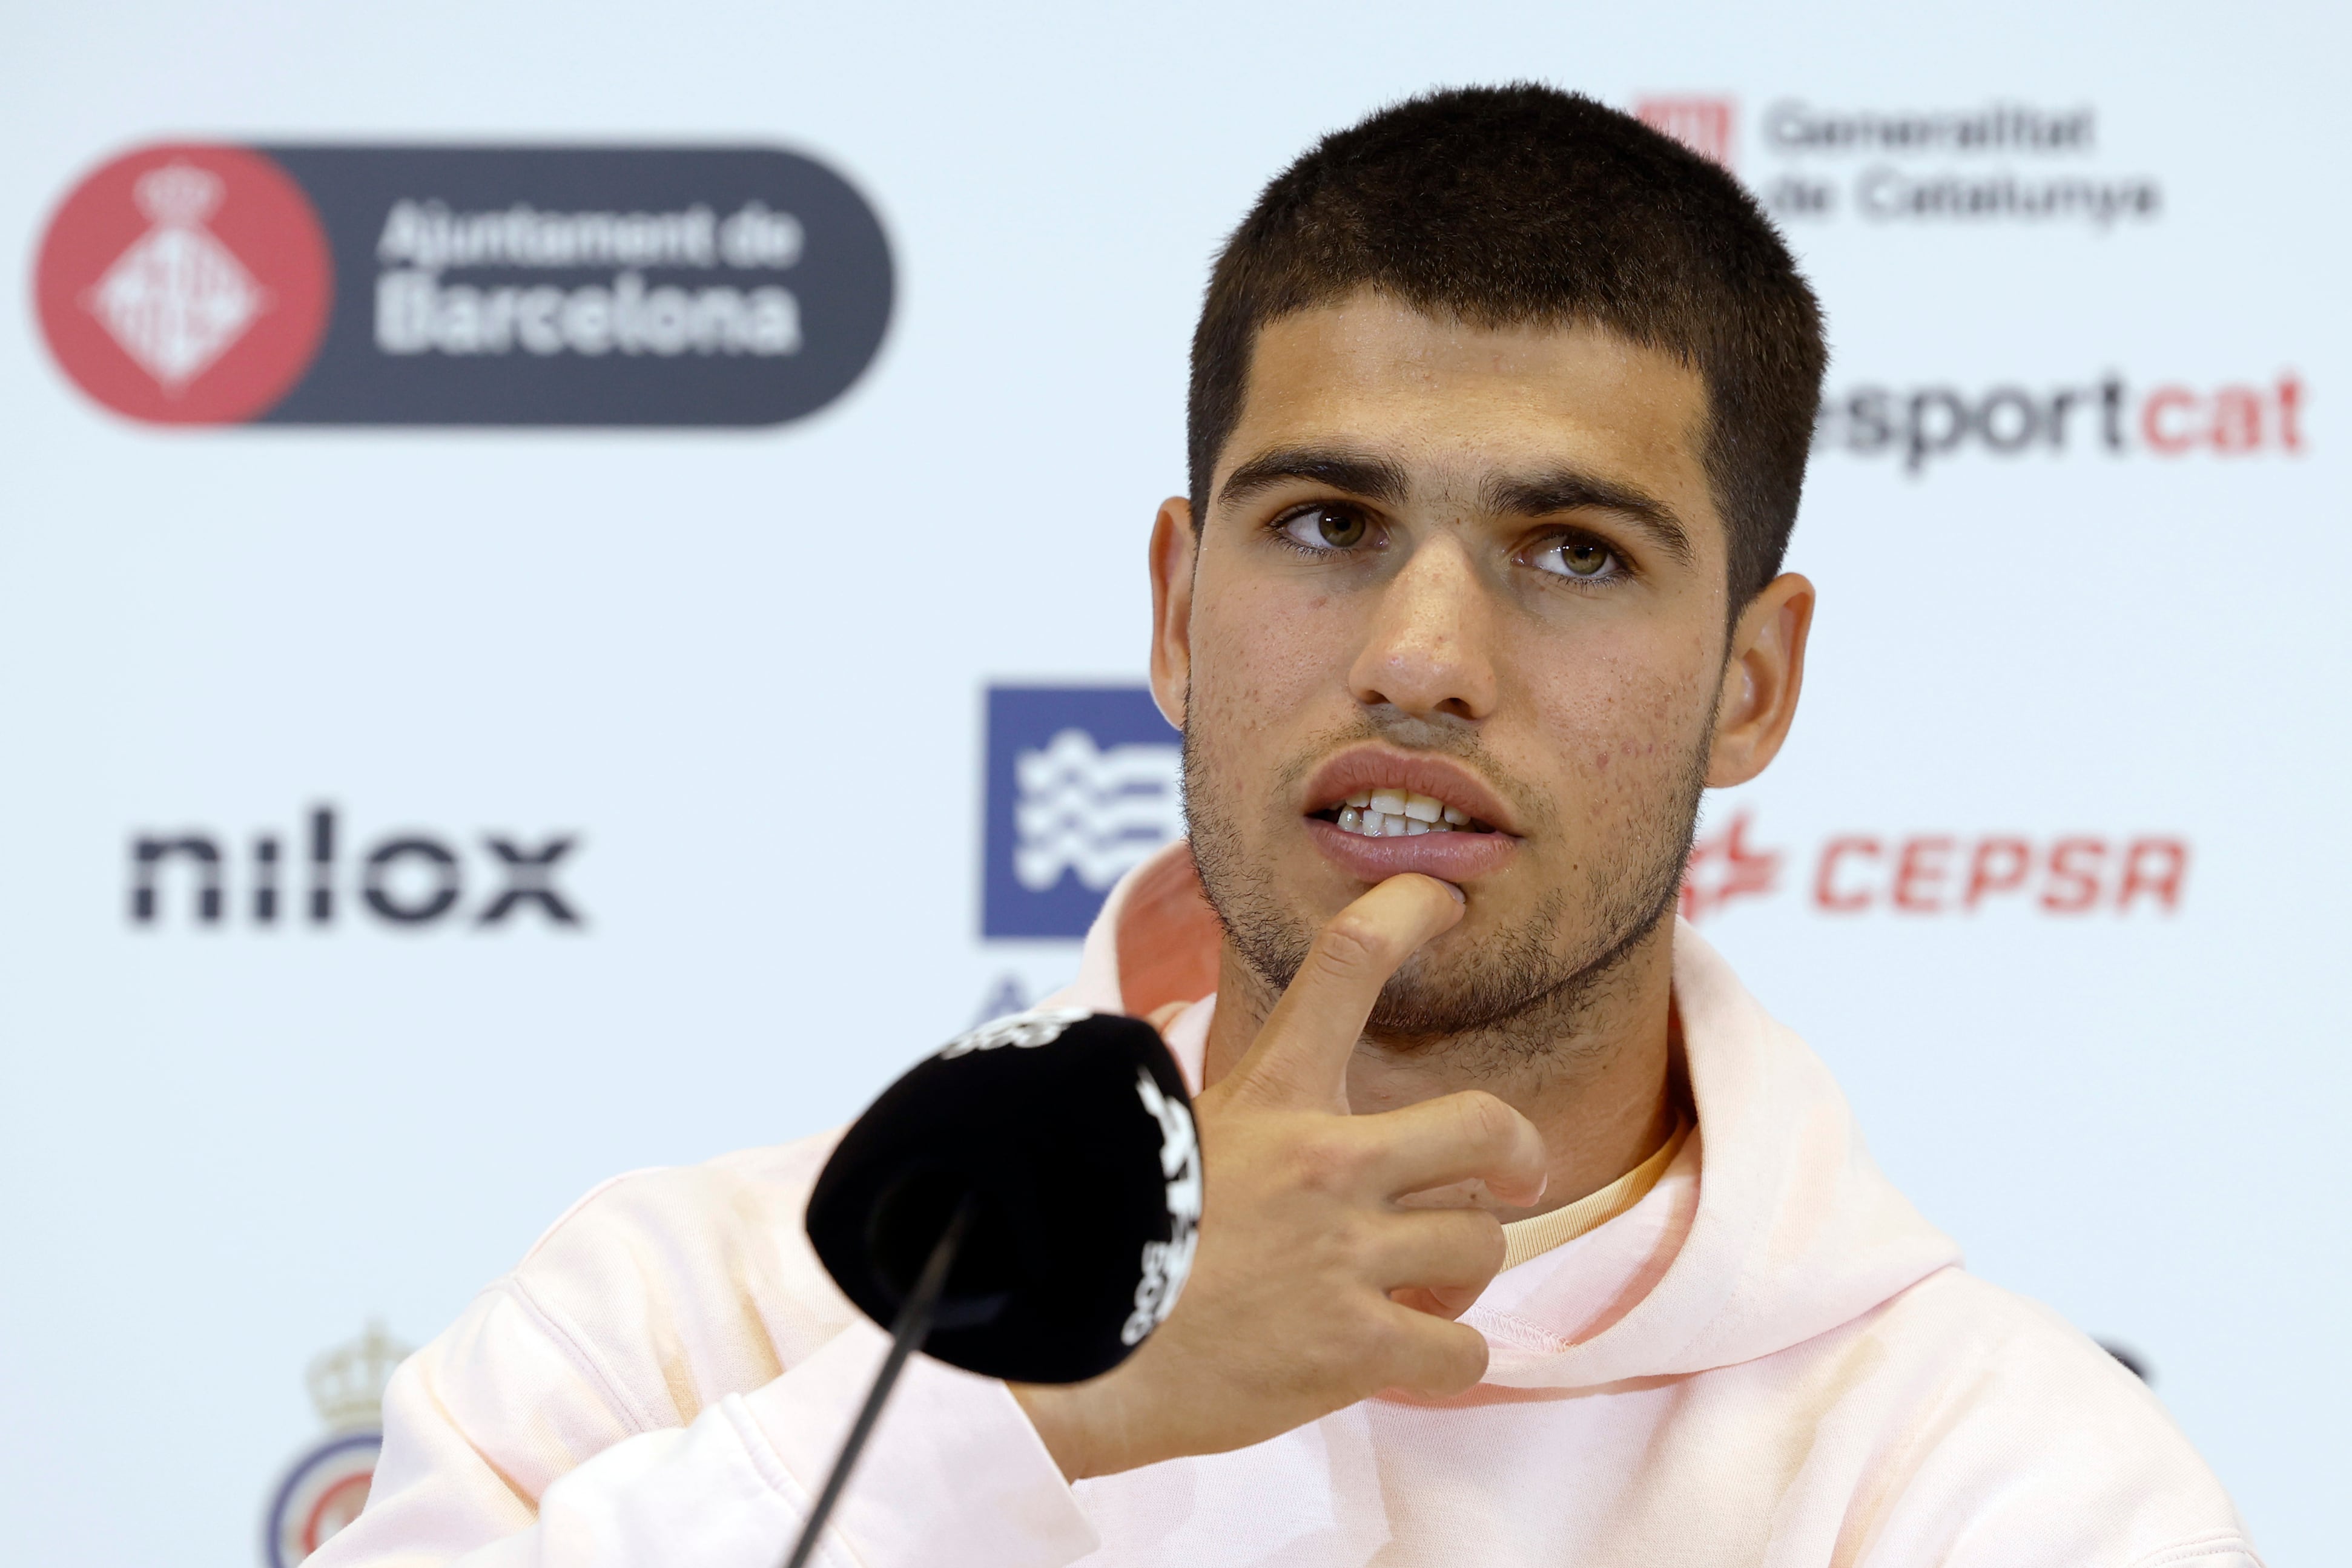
(1568, 490)
(1358, 473)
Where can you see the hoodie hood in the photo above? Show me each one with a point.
(1772, 1225)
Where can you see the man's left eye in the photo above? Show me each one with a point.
(1584, 558)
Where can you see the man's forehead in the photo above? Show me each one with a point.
(1453, 403)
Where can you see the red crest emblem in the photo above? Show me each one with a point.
(186, 285)
(1704, 125)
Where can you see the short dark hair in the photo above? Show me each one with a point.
(1520, 205)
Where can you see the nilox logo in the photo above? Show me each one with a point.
(201, 283)
(316, 873)
(1083, 784)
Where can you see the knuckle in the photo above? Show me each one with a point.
(1328, 1165)
(1350, 944)
(1485, 1119)
(1385, 1340)
(1348, 1245)
(1343, 1345)
(1468, 1248)
(1464, 1361)
(1486, 1246)
(1445, 1359)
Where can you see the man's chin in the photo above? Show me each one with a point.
(1449, 999)
(1483, 972)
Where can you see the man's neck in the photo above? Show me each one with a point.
(1599, 1083)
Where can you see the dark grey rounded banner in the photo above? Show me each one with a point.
(609, 286)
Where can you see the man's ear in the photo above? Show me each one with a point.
(1761, 678)
(1173, 544)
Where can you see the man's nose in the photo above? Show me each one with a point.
(1426, 651)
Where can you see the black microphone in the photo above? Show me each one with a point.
(1023, 1204)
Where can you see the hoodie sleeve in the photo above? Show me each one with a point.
(519, 1436)
(2004, 1439)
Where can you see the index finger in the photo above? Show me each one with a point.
(1301, 1054)
(1470, 1135)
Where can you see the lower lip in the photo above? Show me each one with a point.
(1449, 857)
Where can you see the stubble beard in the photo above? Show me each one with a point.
(1519, 995)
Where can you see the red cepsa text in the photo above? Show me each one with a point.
(1944, 873)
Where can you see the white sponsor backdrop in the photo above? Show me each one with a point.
(747, 669)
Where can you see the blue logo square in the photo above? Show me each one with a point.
(1083, 785)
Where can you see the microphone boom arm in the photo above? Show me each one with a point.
(906, 1335)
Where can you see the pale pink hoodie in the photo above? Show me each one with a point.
(1771, 1359)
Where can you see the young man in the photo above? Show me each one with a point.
(1529, 1237)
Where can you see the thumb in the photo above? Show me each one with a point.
(1301, 1056)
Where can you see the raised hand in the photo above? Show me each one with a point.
(1314, 1288)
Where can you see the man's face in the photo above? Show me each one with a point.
(1477, 569)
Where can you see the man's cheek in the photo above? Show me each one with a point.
(1231, 730)
(1274, 658)
(1231, 743)
(1621, 748)
(1256, 690)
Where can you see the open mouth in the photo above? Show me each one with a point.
(1396, 813)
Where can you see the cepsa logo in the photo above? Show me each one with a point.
(1933, 873)
(1920, 426)
(410, 879)
(190, 284)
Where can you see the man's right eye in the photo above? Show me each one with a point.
(1325, 527)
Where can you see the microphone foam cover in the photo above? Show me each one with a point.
(1071, 1135)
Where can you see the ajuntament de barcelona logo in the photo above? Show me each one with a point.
(201, 283)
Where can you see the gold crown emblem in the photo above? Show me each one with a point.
(347, 1382)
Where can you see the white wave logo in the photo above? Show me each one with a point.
(1096, 813)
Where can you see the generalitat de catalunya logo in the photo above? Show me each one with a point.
(202, 284)
(1993, 162)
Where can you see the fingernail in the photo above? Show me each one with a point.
(1459, 896)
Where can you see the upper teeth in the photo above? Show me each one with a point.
(1398, 813)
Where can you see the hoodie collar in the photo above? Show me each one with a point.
(1773, 1225)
